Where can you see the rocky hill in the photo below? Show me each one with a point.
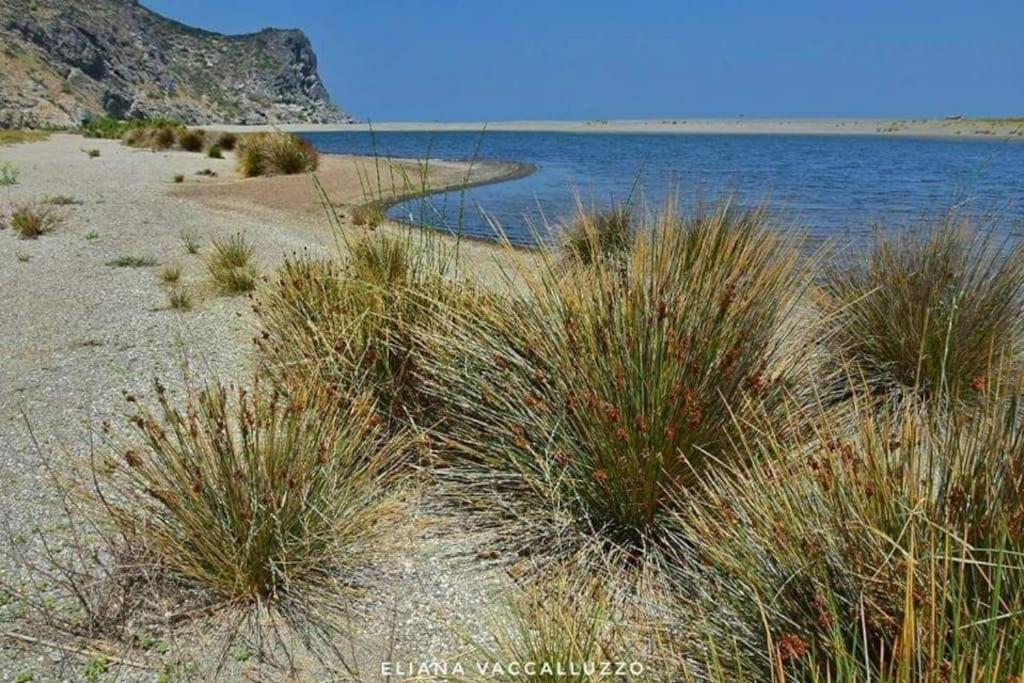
(64, 61)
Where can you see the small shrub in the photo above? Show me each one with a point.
(31, 221)
(190, 240)
(601, 234)
(8, 174)
(192, 140)
(251, 495)
(207, 173)
(276, 154)
(929, 312)
(170, 274)
(92, 235)
(232, 265)
(132, 262)
(180, 178)
(372, 214)
(215, 152)
(92, 153)
(164, 137)
(227, 141)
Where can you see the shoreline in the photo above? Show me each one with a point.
(966, 128)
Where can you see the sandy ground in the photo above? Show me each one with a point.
(953, 127)
(75, 332)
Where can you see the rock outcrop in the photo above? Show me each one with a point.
(62, 62)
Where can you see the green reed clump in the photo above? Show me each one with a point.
(276, 154)
(215, 152)
(596, 235)
(348, 325)
(583, 398)
(248, 494)
(929, 312)
(232, 264)
(884, 547)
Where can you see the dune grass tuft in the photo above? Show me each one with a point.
(227, 141)
(215, 152)
(132, 261)
(232, 265)
(180, 298)
(170, 274)
(929, 312)
(588, 396)
(371, 215)
(885, 546)
(251, 495)
(596, 235)
(349, 325)
(190, 241)
(276, 154)
(192, 140)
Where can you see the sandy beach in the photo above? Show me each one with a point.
(947, 127)
(77, 331)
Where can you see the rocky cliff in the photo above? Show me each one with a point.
(63, 61)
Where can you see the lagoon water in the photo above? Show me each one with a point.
(833, 186)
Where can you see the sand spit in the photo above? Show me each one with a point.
(946, 127)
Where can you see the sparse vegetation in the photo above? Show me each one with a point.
(32, 221)
(179, 298)
(371, 215)
(92, 153)
(132, 262)
(215, 152)
(209, 173)
(178, 179)
(62, 200)
(18, 137)
(170, 274)
(276, 154)
(8, 174)
(232, 265)
(190, 240)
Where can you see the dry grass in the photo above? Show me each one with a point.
(192, 140)
(180, 298)
(371, 215)
(17, 137)
(227, 141)
(597, 235)
(32, 221)
(170, 274)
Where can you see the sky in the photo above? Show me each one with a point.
(491, 60)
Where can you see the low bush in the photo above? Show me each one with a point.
(349, 326)
(276, 154)
(929, 312)
(232, 265)
(215, 152)
(583, 400)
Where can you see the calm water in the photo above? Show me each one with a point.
(833, 186)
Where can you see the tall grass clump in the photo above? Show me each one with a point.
(885, 547)
(232, 264)
(250, 495)
(276, 154)
(594, 235)
(583, 398)
(349, 324)
(929, 312)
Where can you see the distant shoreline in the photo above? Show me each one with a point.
(988, 128)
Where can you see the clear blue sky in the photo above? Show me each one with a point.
(472, 60)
